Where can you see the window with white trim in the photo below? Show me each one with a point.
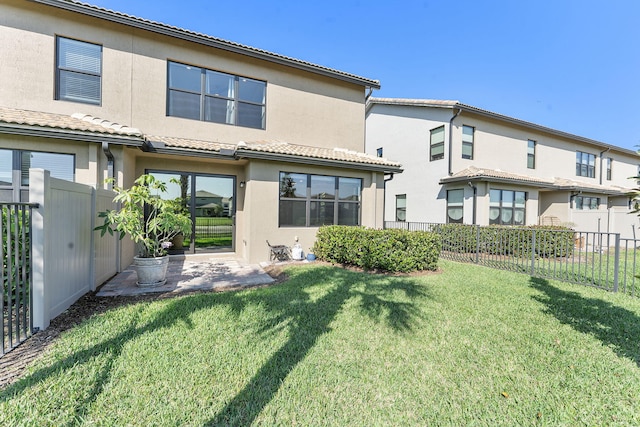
(467, 142)
(212, 96)
(507, 207)
(78, 71)
(455, 209)
(586, 202)
(609, 161)
(401, 207)
(585, 164)
(531, 154)
(314, 200)
(436, 143)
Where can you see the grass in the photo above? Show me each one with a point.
(469, 346)
(212, 221)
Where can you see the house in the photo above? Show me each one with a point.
(467, 165)
(89, 93)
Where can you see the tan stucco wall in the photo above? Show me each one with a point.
(302, 108)
(261, 207)
(555, 204)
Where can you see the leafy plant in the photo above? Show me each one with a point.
(150, 220)
(388, 250)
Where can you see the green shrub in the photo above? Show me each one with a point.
(14, 267)
(388, 250)
(551, 241)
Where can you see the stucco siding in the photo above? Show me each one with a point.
(302, 108)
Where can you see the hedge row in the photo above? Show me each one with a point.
(550, 241)
(388, 250)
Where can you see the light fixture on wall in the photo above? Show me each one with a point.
(241, 184)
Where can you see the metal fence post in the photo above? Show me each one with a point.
(477, 244)
(533, 252)
(616, 263)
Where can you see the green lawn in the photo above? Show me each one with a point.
(211, 221)
(469, 346)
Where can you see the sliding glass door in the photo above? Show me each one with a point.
(210, 202)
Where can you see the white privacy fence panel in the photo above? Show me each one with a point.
(69, 257)
(106, 247)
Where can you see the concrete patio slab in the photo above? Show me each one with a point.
(191, 273)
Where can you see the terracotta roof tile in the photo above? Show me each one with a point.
(278, 147)
(474, 173)
(75, 122)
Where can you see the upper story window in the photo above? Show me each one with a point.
(78, 71)
(584, 202)
(467, 142)
(315, 200)
(201, 94)
(436, 144)
(531, 154)
(379, 152)
(455, 207)
(401, 207)
(585, 164)
(507, 207)
(609, 161)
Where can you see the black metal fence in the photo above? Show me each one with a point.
(602, 260)
(15, 276)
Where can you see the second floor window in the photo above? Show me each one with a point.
(467, 142)
(78, 71)
(379, 152)
(436, 143)
(585, 164)
(531, 154)
(201, 94)
(609, 162)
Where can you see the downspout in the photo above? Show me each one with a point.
(110, 164)
(368, 95)
(601, 159)
(475, 198)
(451, 140)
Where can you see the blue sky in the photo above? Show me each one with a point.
(572, 65)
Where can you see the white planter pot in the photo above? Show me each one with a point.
(151, 271)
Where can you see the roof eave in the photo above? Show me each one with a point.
(74, 135)
(217, 43)
(248, 154)
(449, 180)
(513, 120)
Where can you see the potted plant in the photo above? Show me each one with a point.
(150, 221)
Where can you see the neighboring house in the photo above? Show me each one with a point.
(467, 165)
(89, 93)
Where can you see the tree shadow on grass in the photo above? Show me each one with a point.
(305, 306)
(616, 327)
(308, 319)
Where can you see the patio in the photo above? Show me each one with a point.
(190, 273)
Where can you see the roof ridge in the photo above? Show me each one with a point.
(158, 27)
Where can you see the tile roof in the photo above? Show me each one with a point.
(84, 123)
(173, 31)
(475, 173)
(75, 122)
(278, 148)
